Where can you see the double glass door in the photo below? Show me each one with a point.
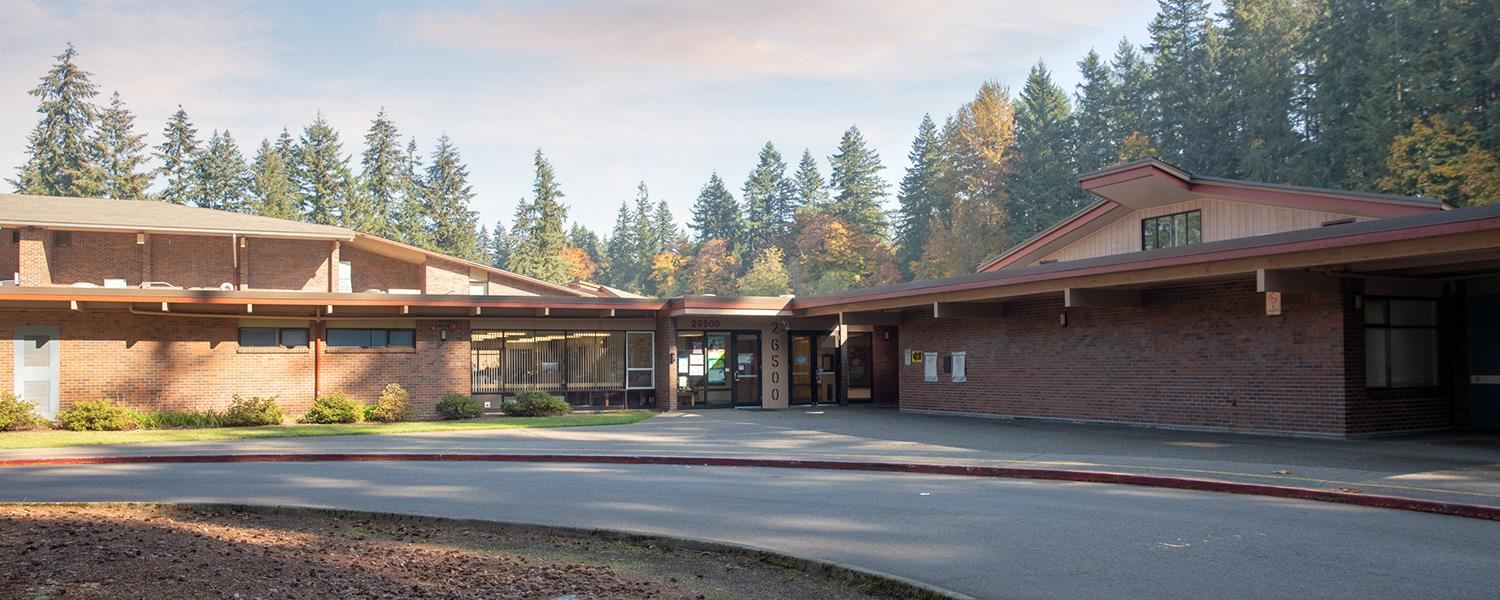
(718, 369)
(815, 375)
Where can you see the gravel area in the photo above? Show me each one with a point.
(165, 553)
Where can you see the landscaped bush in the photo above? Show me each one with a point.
(394, 405)
(334, 408)
(98, 415)
(253, 411)
(536, 404)
(17, 414)
(458, 406)
(174, 419)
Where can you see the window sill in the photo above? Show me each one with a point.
(271, 350)
(327, 350)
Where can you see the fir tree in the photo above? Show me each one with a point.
(286, 146)
(1043, 188)
(1188, 117)
(455, 228)
(622, 254)
(978, 143)
(716, 216)
(60, 161)
(645, 230)
(585, 239)
(411, 223)
(221, 176)
(320, 172)
(858, 187)
(539, 229)
(809, 189)
(920, 197)
(1095, 99)
(1130, 113)
(271, 189)
(1263, 77)
(767, 275)
(665, 232)
(177, 153)
(768, 200)
(384, 166)
(118, 150)
(502, 245)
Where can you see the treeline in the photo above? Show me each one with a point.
(1397, 96)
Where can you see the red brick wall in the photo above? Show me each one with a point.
(180, 363)
(32, 257)
(1201, 355)
(192, 261)
(887, 365)
(1386, 410)
(275, 264)
(94, 256)
(373, 271)
(446, 277)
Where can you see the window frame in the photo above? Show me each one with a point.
(370, 336)
(1387, 327)
(651, 335)
(1152, 234)
(280, 334)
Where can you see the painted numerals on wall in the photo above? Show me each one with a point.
(777, 332)
(704, 324)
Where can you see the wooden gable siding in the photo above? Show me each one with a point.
(1222, 220)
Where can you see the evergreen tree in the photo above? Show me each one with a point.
(1130, 112)
(177, 153)
(221, 176)
(978, 143)
(920, 196)
(411, 224)
(809, 189)
(502, 245)
(320, 171)
(644, 228)
(667, 236)
(858, 187)
(383, 170)
(767, 276)
(1262, 71)
(60, 161)
(271, 189)
(1095, 100)
(1043, 187)
(286, 146)
(716, 216)
(768, 200)
(1188, 116)
(539, 229)
(486, 245)
(586, 240)
(455, 228)
(118, 153)
(622, 254)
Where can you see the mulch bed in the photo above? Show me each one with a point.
(165, 553)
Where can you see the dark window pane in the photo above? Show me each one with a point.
(1148, 235)
(349, 338)
(1376, 358)
(1414, 358)
(294, 338)
(257, 337)
(641, 378)
(378, 338)
(1195, 227)
(1179, 229)
(1414, 313)
(640, 351)
(1374, 311)
(402, 338)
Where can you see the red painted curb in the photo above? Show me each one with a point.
(1472, 511)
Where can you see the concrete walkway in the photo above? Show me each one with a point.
(1454, 467)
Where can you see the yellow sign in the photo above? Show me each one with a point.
(916, 356)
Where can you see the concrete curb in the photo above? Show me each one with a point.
(1472, 511)
(875, 582)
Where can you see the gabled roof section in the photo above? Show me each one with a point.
(409, 253)
(149, 216)
(1147, 183)
(601, 290)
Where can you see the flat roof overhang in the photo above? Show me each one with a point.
(1459, 243)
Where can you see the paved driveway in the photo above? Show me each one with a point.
(1450, 467)
(987, 538)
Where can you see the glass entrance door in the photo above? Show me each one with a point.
(746, 369)
(814, 369)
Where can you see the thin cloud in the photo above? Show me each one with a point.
(847, 40)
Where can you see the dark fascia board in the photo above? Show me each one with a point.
(179, 296)
(1264, 244)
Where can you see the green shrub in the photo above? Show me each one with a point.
(458, 406)
(174, 419)
(394, 405)
(98, 415)
(253, 411)
(334, 408)
(367, 411)
(17, 414)
(536, 404)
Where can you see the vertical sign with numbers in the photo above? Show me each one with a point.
(775, 390)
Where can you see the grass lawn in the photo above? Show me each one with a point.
(54, 438)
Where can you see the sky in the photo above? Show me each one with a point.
(613, 92)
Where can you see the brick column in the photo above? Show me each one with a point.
(666, 363)
(32, 257)
(886, 370)
(146, 259)
(842, 335)
(333, 268)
